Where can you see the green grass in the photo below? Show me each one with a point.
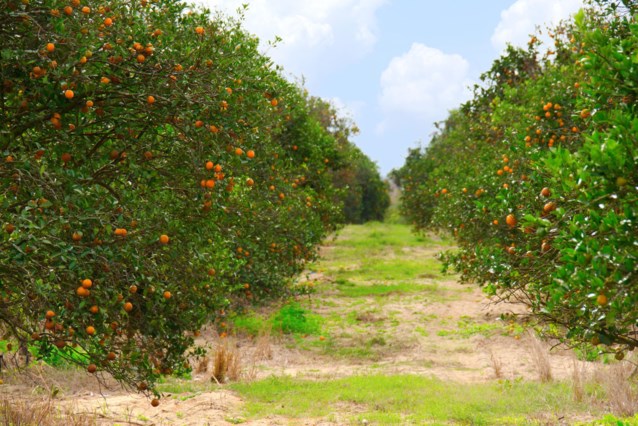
(375, 269)
(349, 289)
(291, 318)
(467, 328)
(406, 399)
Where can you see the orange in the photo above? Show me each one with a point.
(164, 239)
(199, 123)
(128, 306)
(86, 10)
(69, 94)
(549, 207)
(92, 368)
(82, 292)
(274, 102)
(49, 315)
(167, 295)
(250, 153)
(89, 104)
(209, 165)
(90, 330)
(108, 22)
(510, 220)
(601, 299)
(50, 47)
(239, 151)
(155, 402)
(66, 157)
(545, 192)
(94, 309)
(87, 283)
(150, 100)
(250, 182)
(199, 30)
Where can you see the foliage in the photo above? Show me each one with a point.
(545, 213)
(364, 194)
(157, 172)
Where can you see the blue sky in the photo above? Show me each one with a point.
(394, 66)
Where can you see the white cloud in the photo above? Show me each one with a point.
(317, 36)
(424, 83)
(521, 18)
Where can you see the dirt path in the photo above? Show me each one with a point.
(384, 308)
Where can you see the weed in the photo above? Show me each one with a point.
(292, 318)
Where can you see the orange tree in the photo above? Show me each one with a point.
(364, 194)
(157, 171)
(536, 177)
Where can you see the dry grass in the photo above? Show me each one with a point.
(621, 395)
(497, 365)
(579, 378)
(226, 362)
(263, 348)
(540, 358)
(19, 412)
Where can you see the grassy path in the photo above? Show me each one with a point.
(390, 340)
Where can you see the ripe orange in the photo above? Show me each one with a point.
(211, 272)
(92, 368)
(83, 292)
(601, 299)
(167, 295)
(150, 99)
(66, 157)
(250, 182)
(94, 309)
(111, 356)
(210, 183)
(199, 30)
(209, 165)
(274, 102)
(128, 306)
(87, 283)
(164, 239)
(108, 22)
(155, 402)
(90, 330)
(510, 220)
(545, 192)
(69, 94)
(239, 151)
(89, 104)
(86, 10)
(549, 207)
(199, 123)
(250, 153)
(49, 315)
(50, 47)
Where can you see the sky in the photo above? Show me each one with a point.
(394, 66)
